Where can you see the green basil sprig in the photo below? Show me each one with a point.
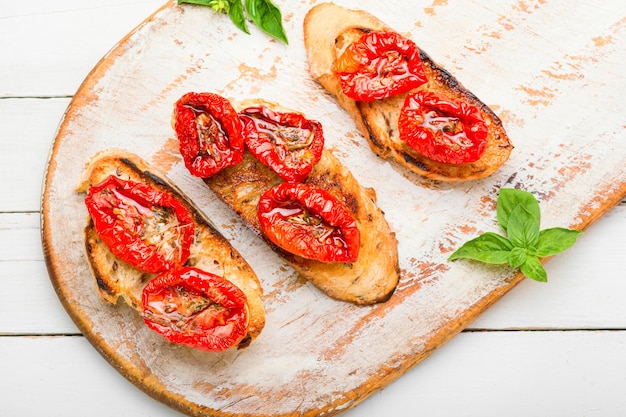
(519, 216)
(263, 13)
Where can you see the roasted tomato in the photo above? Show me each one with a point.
(444, 130)
(144, 227)
(209, 132)
(191, 307)
(379, 65)
(309, 222)
(288, 143)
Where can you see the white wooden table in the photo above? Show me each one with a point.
(555, 349)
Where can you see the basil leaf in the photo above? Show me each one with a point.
(237, 16)
(517, 257)
(555, 240)
(508, 199)
(533, 269)
(518, 214)
(489, 247)
(267, 17)
(523, 228)
(263, 13)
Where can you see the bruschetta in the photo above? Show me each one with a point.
(148, 244)
(409, 109)
(296, 195)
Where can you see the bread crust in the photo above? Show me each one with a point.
(328, 30)
(210, 251)
(373, 277)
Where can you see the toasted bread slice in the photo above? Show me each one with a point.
(328, 30)
(210, 251)
(373, 277)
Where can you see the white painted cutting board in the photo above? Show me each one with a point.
(552, 72)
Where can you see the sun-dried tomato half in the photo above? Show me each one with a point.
(379, 65)
(287, 142)
(445, 130)
(142, 226)
(209, 132)
(307, 221)
(191, 307)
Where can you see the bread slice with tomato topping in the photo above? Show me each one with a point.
(329, 30)
(369, 279)
(209, 251)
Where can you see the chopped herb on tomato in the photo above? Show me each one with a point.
(209, 132)
(442, 129)
(379, 65)
(142, 226)
(195, 308)
(307, 221)
(287, 142)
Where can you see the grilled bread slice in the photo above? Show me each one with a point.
(328, 30)
(210, 251)
(373, 277)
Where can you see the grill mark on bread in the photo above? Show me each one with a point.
(440, 74)
(91, 245)
(416, 163)
(101, 282)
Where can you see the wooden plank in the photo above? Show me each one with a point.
(28, 127)
(19, 237)
(28, 303)
(65, 376)
(516, 374)
(54, 63)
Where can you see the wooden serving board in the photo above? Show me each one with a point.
(552, 72)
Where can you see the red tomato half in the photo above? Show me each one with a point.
(145, 228)
(379, 65)
(191, 307)
(444, 130)
(288, 143)
(309, 222)
(209, 132)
